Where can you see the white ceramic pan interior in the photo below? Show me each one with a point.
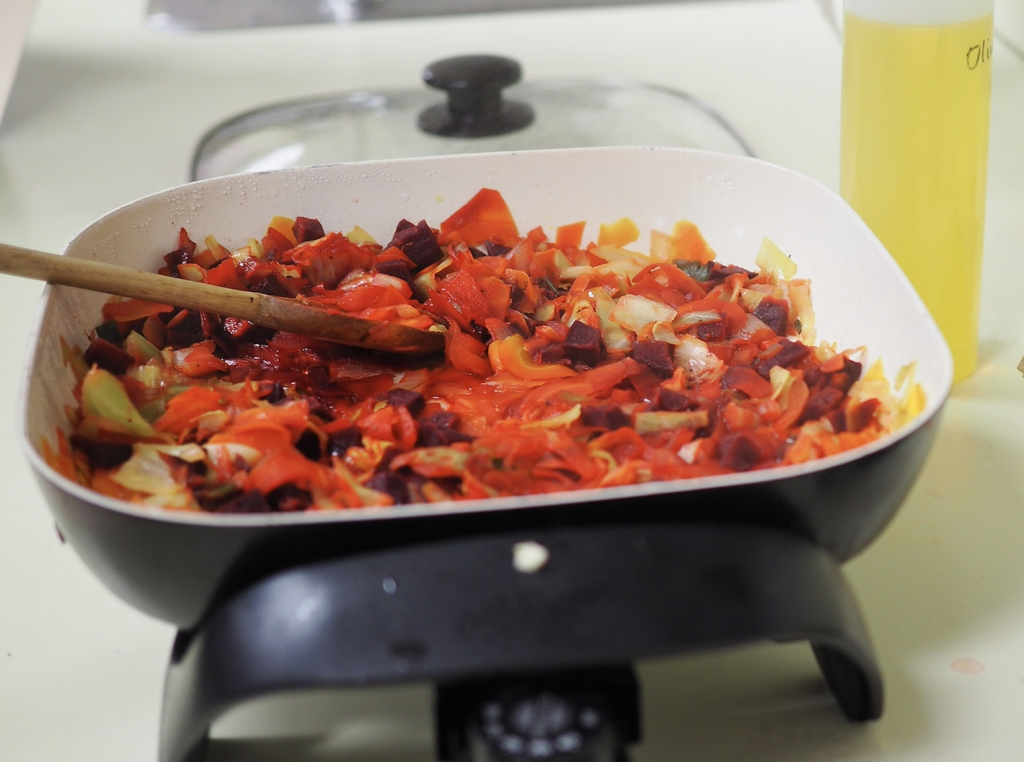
(861, 298)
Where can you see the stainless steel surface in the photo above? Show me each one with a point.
(184, 15)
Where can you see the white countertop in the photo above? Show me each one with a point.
(103, 111)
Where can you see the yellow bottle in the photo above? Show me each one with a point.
(915, 122)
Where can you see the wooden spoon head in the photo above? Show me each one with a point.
(323, 323)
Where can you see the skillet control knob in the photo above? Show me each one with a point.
(543, 727)
(475, 107)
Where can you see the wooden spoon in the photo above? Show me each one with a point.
(270, 311)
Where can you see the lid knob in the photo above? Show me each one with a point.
(475, 108)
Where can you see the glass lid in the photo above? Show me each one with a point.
(485, 111)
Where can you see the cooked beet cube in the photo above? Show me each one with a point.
(845, 378)
(583, 344)
(272, 284)
(177, 257)
(108, 356)
(432, 435)
(792, 352)
(391, 484)
(184, 330)
(774, 313)
(496, 249)
(259, 334)
(438, 430)
(210, 497)
(657, 355)
(102, 454)
(249, 502)
(110, 331)
(516, 295)
(718, 273)
(610, 417)
(195, 475)
(276, 394)
(552, 354)
(418, 243)
(309, 445)
(821, 402)
(739, 451)
(442, 418)
(863, 414)
(288, 498)
(318, 377)
(673, 401)
(410, 400)
(837, 419)
(340, 441)
(712, 331)
(396, 268)
(320, 410)
(307, 229)
(214, 329)
(815, 378)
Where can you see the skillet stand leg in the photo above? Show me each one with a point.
(601, 596)
(198, 752)
(856, 686)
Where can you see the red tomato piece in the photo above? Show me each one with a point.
(462, 292)
(224, 274)
(329, 259)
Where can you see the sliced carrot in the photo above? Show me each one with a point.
(570, 235)
(485, 217)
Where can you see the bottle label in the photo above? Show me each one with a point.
(979, 54)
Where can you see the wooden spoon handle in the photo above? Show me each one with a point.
(111, 279)
(262, 309)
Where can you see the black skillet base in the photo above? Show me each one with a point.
(459, 611)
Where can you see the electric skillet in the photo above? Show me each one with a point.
(441, 592)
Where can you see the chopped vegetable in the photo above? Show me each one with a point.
(567, 366)
(772, 260)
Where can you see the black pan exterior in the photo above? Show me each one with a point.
(179, 567)
(178, 571)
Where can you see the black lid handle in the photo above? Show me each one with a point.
(475, 107)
